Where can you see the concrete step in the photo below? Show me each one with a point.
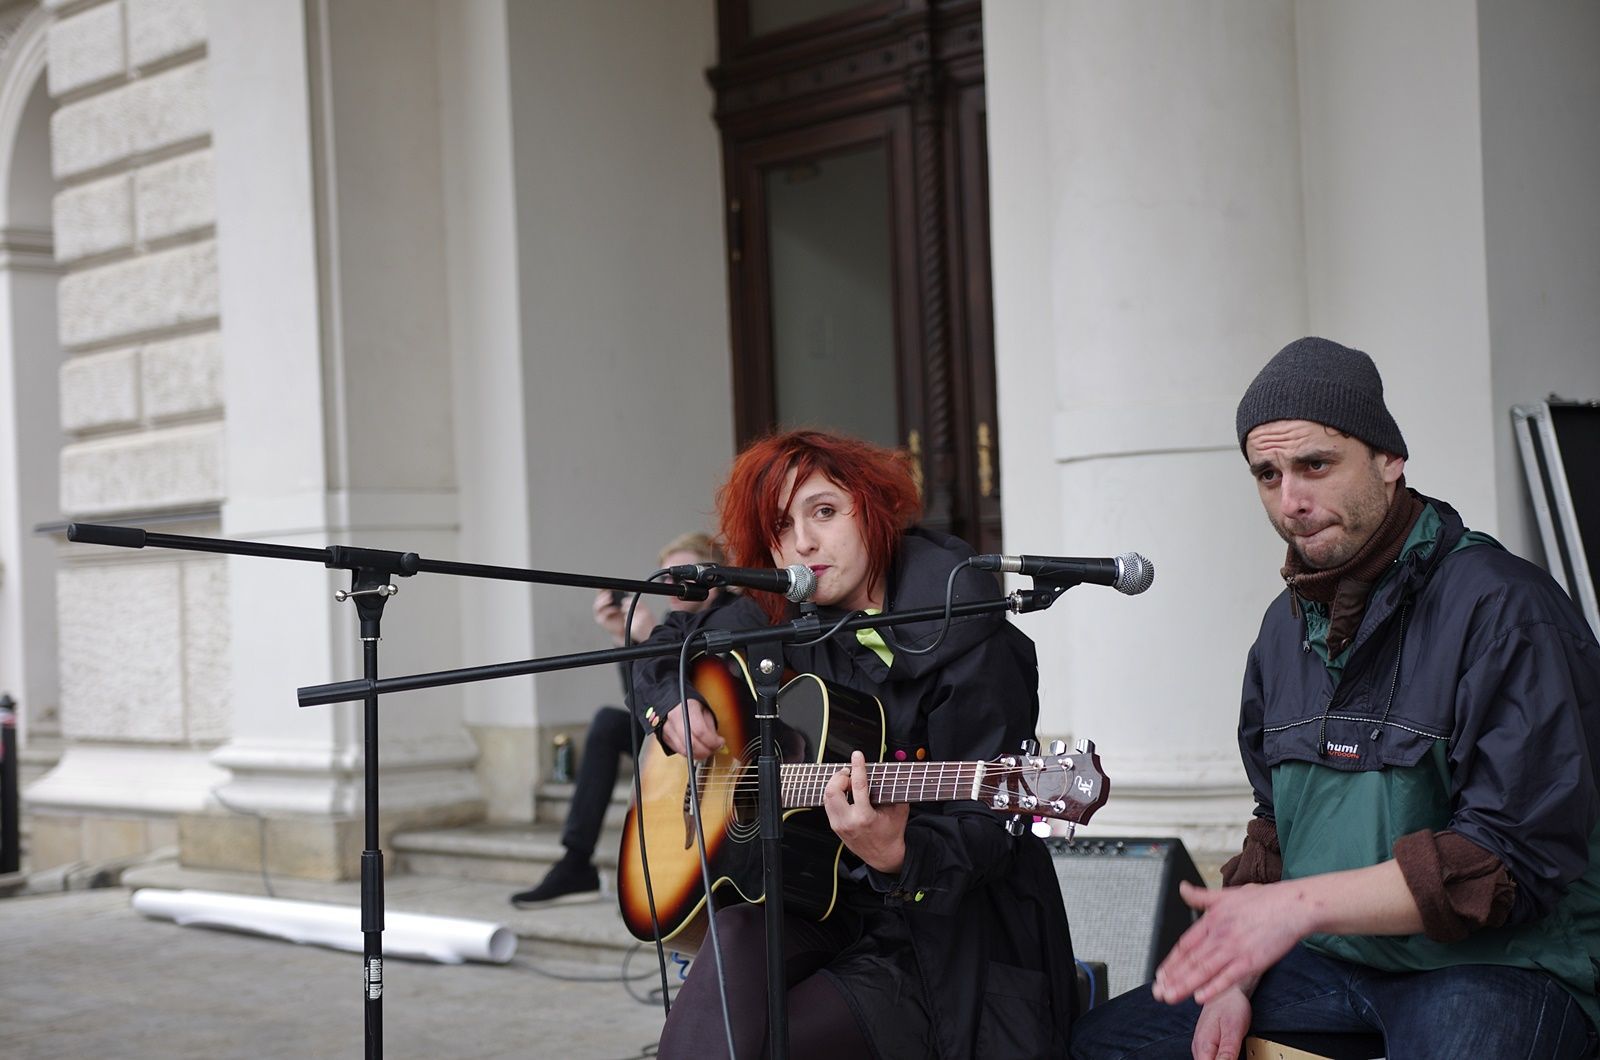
(553, 801)
(516, 853)
(38, 758)
(496, 853)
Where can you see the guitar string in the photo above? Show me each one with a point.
(809, 780)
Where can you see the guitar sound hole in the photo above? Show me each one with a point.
(746, 810)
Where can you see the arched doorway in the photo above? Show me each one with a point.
(30, 362)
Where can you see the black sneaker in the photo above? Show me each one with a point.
(566, 879)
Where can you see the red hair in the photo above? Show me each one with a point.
(751, 503)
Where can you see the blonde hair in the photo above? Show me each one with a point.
(702, 545)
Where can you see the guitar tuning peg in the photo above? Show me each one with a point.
(1058, 747)
(1015, 825)
(1030, 747)
(1084, 747)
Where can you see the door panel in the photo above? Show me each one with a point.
(832, 292)
(818, 308)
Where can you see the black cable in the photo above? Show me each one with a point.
(700, 842)
(949, 604)
(261, 836)
(694, 804)
(537, 969)
(837, 626)
(649, 998)
(638, 801)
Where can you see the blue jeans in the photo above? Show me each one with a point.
(1470, 1010)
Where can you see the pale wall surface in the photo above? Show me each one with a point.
(1541, 148)
(626, 384)
(144, 643)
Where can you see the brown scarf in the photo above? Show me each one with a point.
(1345, 588)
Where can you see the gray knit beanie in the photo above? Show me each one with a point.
(1324, 382)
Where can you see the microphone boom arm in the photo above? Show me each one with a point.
(720, 640)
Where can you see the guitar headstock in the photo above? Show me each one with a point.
(1068, 786)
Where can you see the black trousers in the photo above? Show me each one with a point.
(610, 737)
(821, 1024)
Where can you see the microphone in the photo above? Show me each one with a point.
(1128, 573)
(797, 582)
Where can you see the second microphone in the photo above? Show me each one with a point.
(796, 582)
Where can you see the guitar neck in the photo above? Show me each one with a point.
(802, 784)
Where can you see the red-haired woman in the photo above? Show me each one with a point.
(949, 938)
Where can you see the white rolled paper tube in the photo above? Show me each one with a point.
(448, 940)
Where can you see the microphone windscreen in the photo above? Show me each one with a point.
(802, 583)
(1136, 575)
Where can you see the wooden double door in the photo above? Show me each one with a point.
(858, 234)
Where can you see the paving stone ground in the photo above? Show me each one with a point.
(83, 975)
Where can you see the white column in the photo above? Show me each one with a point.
(1395, 238)
(334, 306)
(491, 439)
(1148, 259)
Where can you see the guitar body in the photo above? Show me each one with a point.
(819, 722)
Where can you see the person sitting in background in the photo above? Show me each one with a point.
(611, 735)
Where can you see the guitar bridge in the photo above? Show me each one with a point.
(688, 807)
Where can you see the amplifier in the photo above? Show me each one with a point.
(1122, 901)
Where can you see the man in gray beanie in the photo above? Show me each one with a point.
(1420, 724)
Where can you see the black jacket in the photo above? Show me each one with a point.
(979, 910)
(1473, 646)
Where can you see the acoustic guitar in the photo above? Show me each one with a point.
(821, 724)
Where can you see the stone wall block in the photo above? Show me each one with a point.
(205, 649)
(168, 289)
(112, 838)
(94, 218)
(159, 28)
(146, 115)
(178, 467)
(86, 48)
(182, 377)
(121, 672)
(100, 390)
(53, 840)
(175, 196)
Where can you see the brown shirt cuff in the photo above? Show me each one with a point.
(1260, 861)
(1458, 886)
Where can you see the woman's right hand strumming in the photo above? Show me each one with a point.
(702, 725)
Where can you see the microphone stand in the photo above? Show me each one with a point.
(769, 773)
(767, 675)
(370, 571)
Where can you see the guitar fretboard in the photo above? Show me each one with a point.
(802, 784)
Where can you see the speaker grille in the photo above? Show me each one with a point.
(1122, 902)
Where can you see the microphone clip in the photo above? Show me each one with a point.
(1039, 597)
